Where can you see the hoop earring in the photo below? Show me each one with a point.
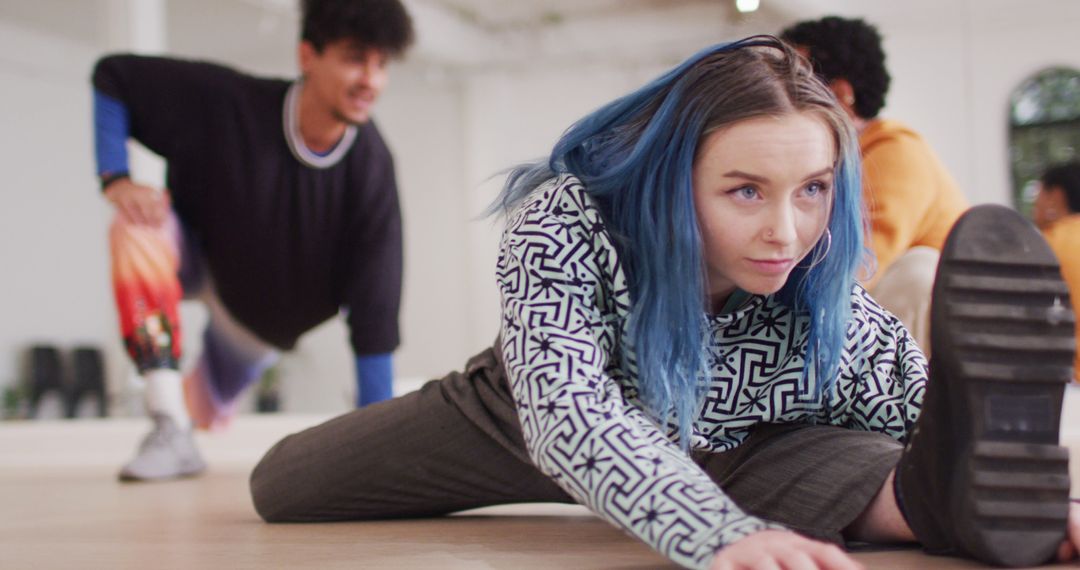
(819, 258)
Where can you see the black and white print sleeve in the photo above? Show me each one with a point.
(887, 379)
(563, 300)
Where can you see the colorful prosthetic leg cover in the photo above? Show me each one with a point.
(145, 261)
(152, 272)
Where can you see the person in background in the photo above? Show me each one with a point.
(1057, 213)
(281, 211)
(911, 198)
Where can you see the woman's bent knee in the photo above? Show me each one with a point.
(269, 488)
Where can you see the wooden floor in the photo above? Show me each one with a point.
(61, 507)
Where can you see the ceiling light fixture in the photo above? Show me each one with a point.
(746, 6)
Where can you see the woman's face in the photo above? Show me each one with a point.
(762, 191)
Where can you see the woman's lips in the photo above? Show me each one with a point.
(771, 266)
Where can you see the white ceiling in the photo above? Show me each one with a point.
(497, 14)
(478, 32)
(500, 14)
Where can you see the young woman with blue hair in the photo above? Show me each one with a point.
(684, 351)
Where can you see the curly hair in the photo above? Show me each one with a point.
(1067, 177)
(380, 24)
(840, 48)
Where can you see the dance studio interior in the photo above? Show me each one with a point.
(992, 86)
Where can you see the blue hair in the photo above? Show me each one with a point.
(635, 158)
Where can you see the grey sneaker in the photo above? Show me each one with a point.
(167, 452)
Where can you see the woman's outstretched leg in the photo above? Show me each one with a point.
(455, 444)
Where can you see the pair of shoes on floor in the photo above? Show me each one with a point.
(982, 473)
(167, 452)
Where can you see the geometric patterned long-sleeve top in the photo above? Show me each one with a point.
(565, 305)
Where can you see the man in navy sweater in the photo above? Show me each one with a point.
(281, 210)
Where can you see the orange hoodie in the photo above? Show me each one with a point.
(910, 197)
(1064, 239)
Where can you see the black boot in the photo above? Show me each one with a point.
(88, 381)
(982, 474)
(45, 375)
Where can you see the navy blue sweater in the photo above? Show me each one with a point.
(287, 245)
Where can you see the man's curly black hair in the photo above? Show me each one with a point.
(1067, 177)
(846, 49)
(379, 24)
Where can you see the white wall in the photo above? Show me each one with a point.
(52, 230)
(469, 102)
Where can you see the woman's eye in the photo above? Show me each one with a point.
(744, 192)
(815, 188)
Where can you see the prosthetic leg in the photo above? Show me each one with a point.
(145, 264)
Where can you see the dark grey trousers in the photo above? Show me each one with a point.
(456, 444)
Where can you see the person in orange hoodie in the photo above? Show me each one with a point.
(1057, 213)
(911, 199)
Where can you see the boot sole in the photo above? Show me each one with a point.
(1003, 334)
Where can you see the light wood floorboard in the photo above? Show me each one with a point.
(61, 507)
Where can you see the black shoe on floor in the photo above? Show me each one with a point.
(88, 381)
(45, 377)
(982, 474)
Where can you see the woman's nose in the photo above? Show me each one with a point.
(781, 225)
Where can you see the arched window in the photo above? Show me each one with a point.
(1044, 129)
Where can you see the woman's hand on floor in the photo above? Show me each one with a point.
(781, 549)
(1071, 545)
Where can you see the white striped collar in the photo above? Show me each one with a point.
(291, 122)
